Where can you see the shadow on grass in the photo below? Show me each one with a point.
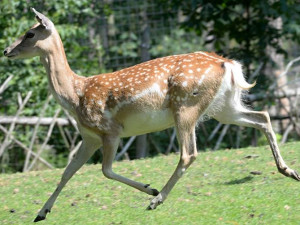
(239, 181)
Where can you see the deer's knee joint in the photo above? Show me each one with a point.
(108, 173)
(187, 160)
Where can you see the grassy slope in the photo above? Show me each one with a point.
(217, 189)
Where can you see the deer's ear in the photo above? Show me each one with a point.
(43, 20)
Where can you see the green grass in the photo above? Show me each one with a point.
(217, 189)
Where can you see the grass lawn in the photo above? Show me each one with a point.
(218, 188)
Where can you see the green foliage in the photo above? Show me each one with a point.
(71, 19)
(175, 42)
(15, 19)
(97, 35)
(263, 140)
(81, 25)
(242, 29)
(217, 189)
(129, 45)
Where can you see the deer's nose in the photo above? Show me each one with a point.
(5, 52)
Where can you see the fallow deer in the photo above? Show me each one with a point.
(177, 90)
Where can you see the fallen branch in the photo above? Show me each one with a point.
(214, 132)
(224, 131)
(126, 147)
(74, 151)
(286, 133)
(33, 154)
(4, 86)
(263, 96)
(34, 135)
(287, 68)
(45, 141)
(7, 139)
(23, 120)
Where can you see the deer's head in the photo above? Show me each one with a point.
(35, 41)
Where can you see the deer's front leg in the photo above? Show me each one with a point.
(86, 150)
(110, 146)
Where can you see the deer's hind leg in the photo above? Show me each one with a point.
(261, 121)
(185, 130)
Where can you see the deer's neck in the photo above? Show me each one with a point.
(60, 76)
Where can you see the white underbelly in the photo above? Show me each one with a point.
(147, 122)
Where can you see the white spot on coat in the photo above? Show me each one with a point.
(207, 70)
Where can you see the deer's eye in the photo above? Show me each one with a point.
(29, 35)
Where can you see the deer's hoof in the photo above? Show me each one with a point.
(155, 192)
(290, 173)
(155, 202)
(39, 218)
(295, 175)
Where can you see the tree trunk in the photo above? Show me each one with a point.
(141, 146)
(141, 143)
(274, 69)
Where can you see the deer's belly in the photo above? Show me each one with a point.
(146, 122)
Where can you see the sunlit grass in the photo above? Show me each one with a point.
(217, 189)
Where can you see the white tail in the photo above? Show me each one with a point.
(237, 76)
(171, 91)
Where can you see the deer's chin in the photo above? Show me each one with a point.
(15, 56)
(12, 55)
(18, 56)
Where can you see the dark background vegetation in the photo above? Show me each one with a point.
(104, 36)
